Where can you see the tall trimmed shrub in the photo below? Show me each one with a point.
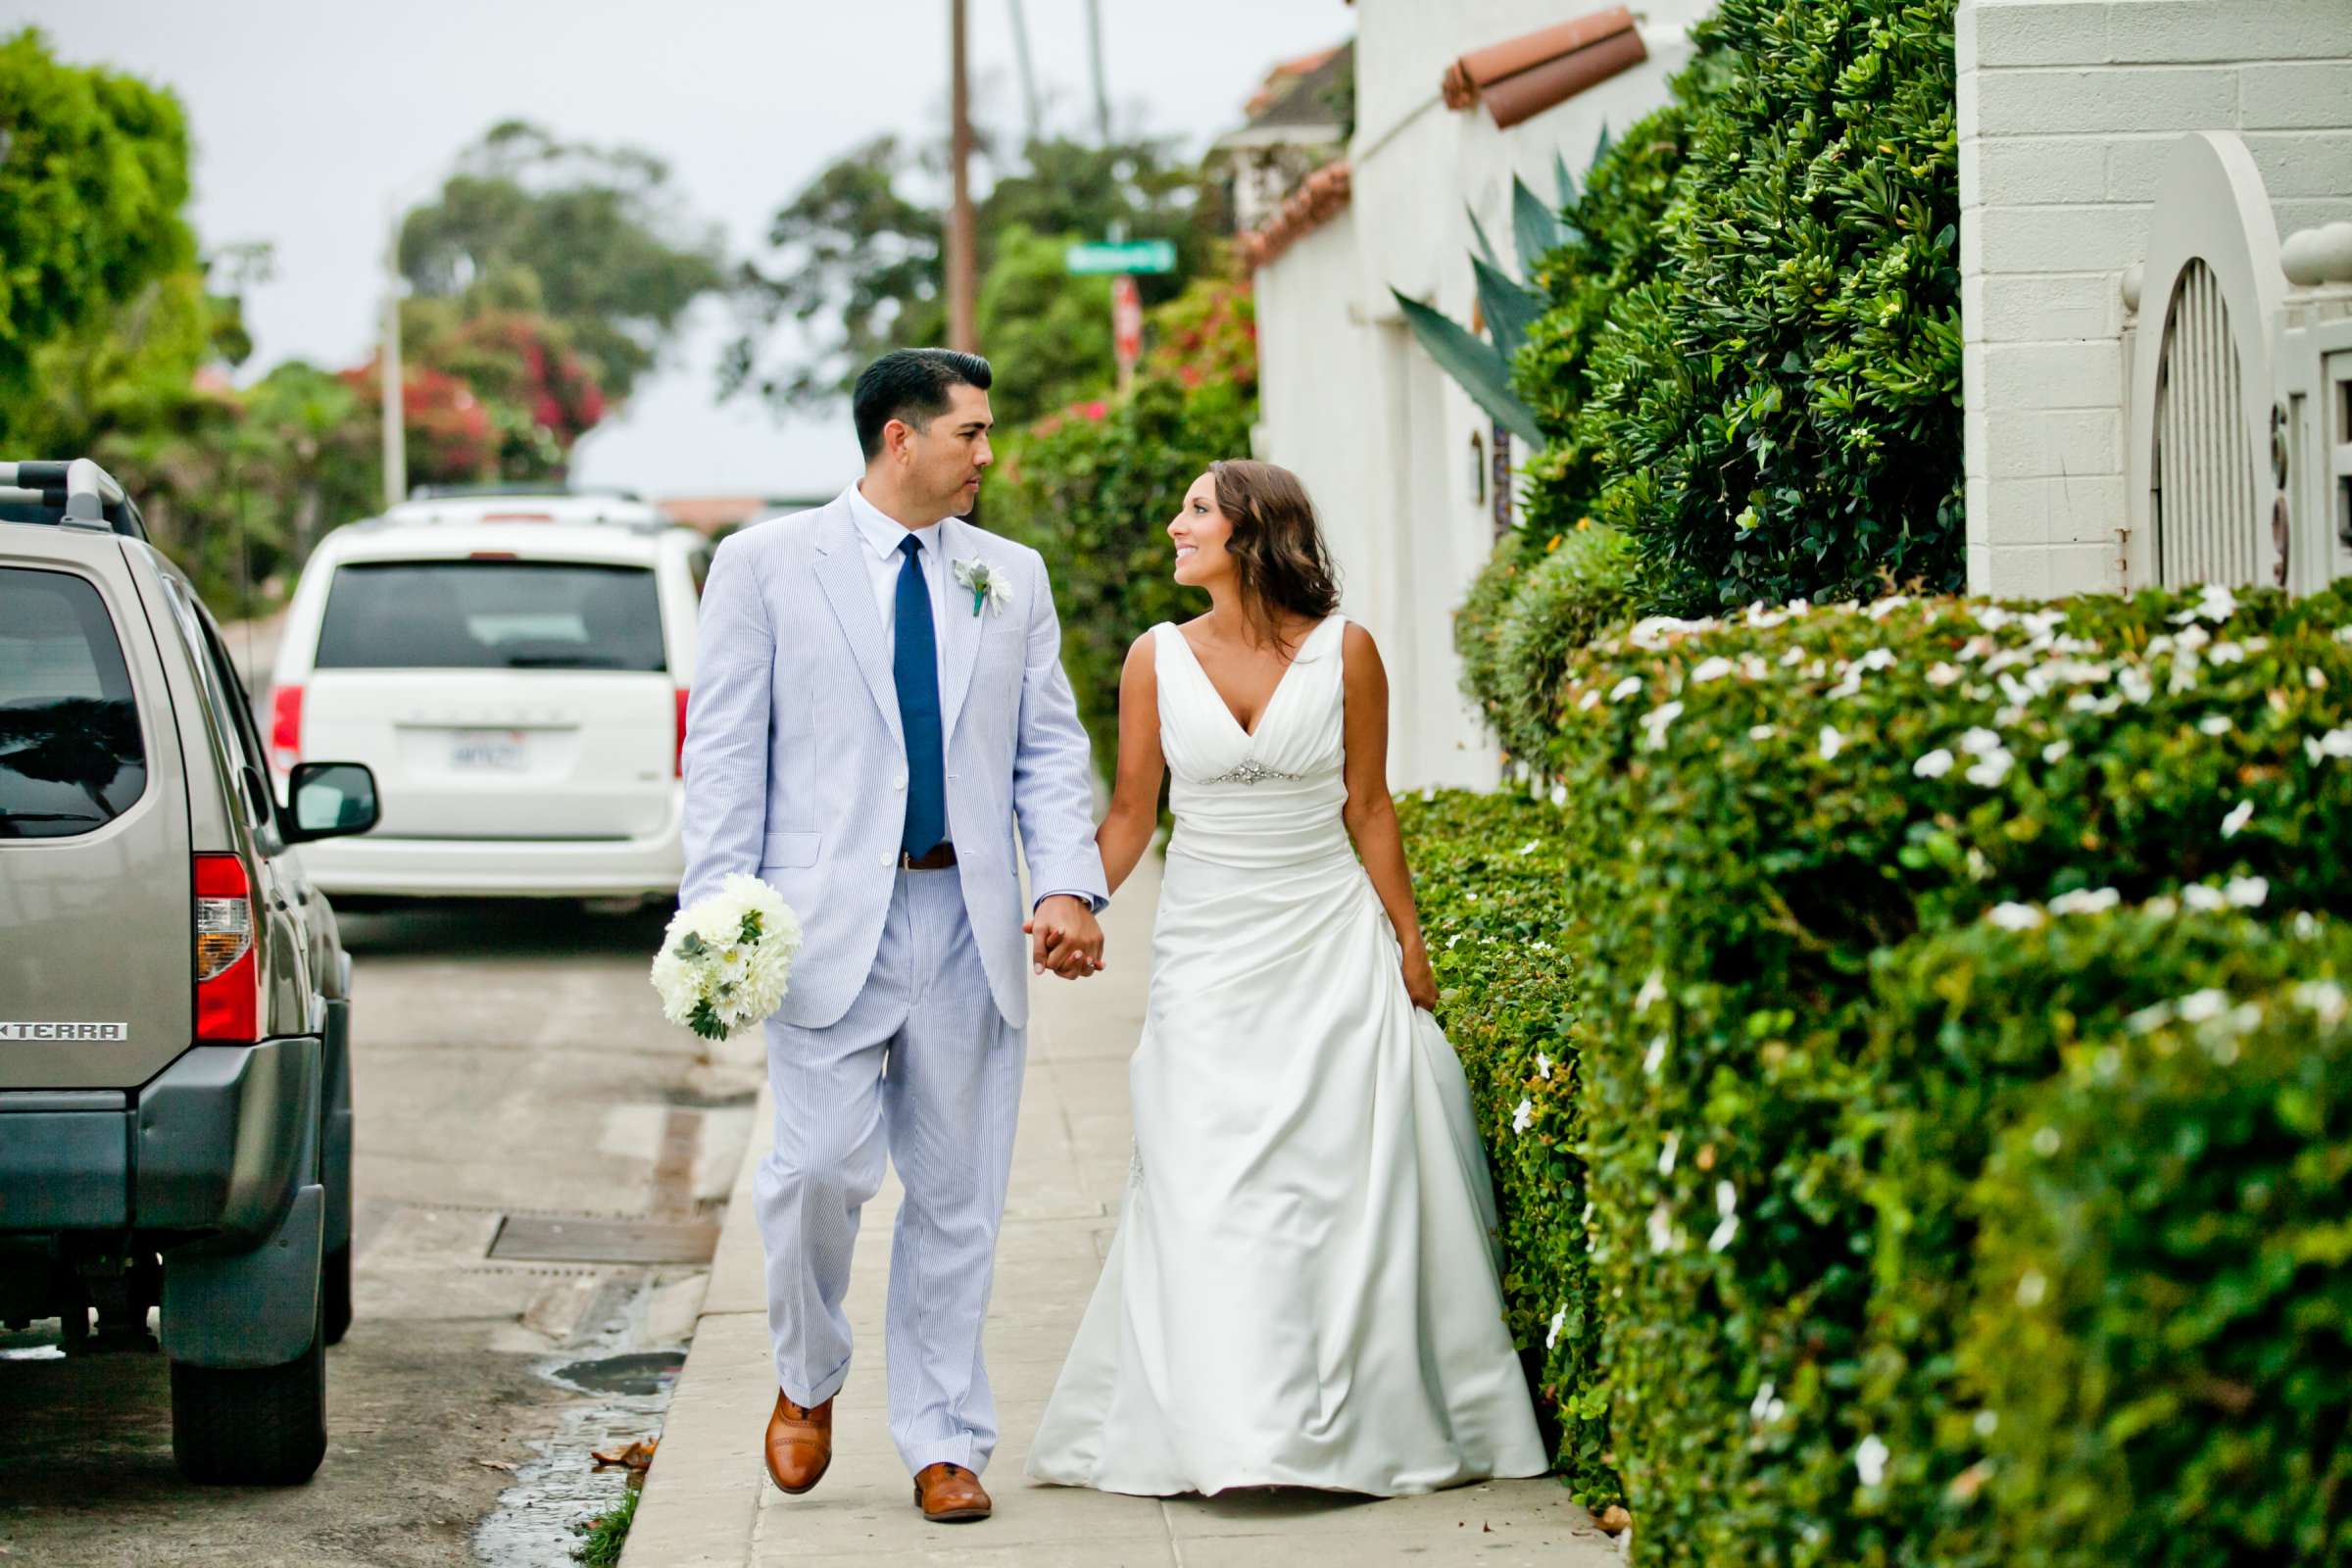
(1759, 807)
(1780, 403)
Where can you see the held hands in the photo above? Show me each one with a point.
(1064, 938)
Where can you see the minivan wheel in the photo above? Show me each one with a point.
(263, 1426)
(334, 1295)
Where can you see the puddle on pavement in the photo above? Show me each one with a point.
(644, 1373)
(536, 1523)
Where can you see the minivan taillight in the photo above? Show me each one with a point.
(285, 727)
(679, 761)
(228, 978)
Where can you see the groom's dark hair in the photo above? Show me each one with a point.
(911, 384)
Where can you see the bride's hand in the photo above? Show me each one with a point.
(1420, 980)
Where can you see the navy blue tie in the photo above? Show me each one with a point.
(914, 665)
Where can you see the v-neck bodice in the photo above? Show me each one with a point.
(1258, 797)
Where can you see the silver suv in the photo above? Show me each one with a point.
(175, 1001)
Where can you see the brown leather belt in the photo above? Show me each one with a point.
(938, 858)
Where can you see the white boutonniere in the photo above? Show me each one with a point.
(985, 587)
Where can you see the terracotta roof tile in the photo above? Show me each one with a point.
(1320, 198)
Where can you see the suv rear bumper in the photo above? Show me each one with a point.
(440, 868)
(218, 1142)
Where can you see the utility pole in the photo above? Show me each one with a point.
(1021, 54)
(396, 443)
(1094, 37)
(962, 333)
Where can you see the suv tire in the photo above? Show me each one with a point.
(263, 1426)
(334, 1295)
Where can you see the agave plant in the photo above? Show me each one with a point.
(1481, 367)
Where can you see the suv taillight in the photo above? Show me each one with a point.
(285, 728)
(678, 763)
(228, 979)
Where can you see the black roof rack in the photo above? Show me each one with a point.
(73, 493)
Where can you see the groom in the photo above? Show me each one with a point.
(878, 699)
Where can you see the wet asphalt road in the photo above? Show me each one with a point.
(509, 1058)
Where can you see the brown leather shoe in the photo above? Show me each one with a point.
(948, 1493)
(800, 1445)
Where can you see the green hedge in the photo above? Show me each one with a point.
(1781, 406)
(1487, 871)
(1971, 1032)
(1763, 805)
(2165, 1320)
(1526, 615)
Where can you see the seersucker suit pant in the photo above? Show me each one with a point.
(922, 1070)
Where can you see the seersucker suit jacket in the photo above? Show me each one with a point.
(796, 766)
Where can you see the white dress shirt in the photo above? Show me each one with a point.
(884, 562)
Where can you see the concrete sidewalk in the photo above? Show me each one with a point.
(708, 1501)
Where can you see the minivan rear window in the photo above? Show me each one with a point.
(72, 757)
(490, 614)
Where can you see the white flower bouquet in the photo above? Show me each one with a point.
(726, 962)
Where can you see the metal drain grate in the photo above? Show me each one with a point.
(551, 1239)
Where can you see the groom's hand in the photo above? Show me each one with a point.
(1064, 938)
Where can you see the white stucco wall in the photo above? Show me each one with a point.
(2066, 110)
(1351, 402)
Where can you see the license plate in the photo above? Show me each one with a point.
(488, 750)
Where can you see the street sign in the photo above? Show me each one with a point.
(1132, 256)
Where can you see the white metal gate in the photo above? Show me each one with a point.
(2201, 505)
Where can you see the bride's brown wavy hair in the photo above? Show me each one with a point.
(1277, 546)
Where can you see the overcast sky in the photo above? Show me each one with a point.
(314, 119)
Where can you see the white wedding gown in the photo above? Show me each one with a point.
(1303, 1289)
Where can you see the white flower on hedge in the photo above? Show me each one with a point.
(1880, 609)
(1559, 795)
(2321, 997)
(1551, 1336)
(1590, 700)
(1879, 659)
(2056, 750)
(2240, 816)
(1523, 1116)
(1794, 656)
(2085, 901)
(1653, 992)
(2215, 724)
(2031, 1289)
(1980, 741)
(1831, 743)
(1935, 765)
(1531, 846)
(2015, 916)
(2336, 743)
(1666, 1153)
(1727, 1208)
(1763, 620)
(1657, 720)
(1655, 1057)
(1762, 732)
(1429, 793)
(1941, 675)
(1758, 1407)
(1542, 1065)
(1708, 670)
(1991, 768)
(2134, 684)
(1662, 1237)
(1870, 1460)
(2047, 1141)
(1625, 688)
(2199, 1006)
(2202, 898)
(2247, 892)
(2316, 679)
(2162, 907)
(1752, 667)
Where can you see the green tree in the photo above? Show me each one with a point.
(93, 175)
(1048, 334)
(855, 261)
(593, 229)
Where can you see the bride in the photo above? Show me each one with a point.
(1301, 1290)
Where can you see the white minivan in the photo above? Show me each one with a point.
(515, 670)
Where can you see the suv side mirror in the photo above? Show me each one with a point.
(330, 801)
